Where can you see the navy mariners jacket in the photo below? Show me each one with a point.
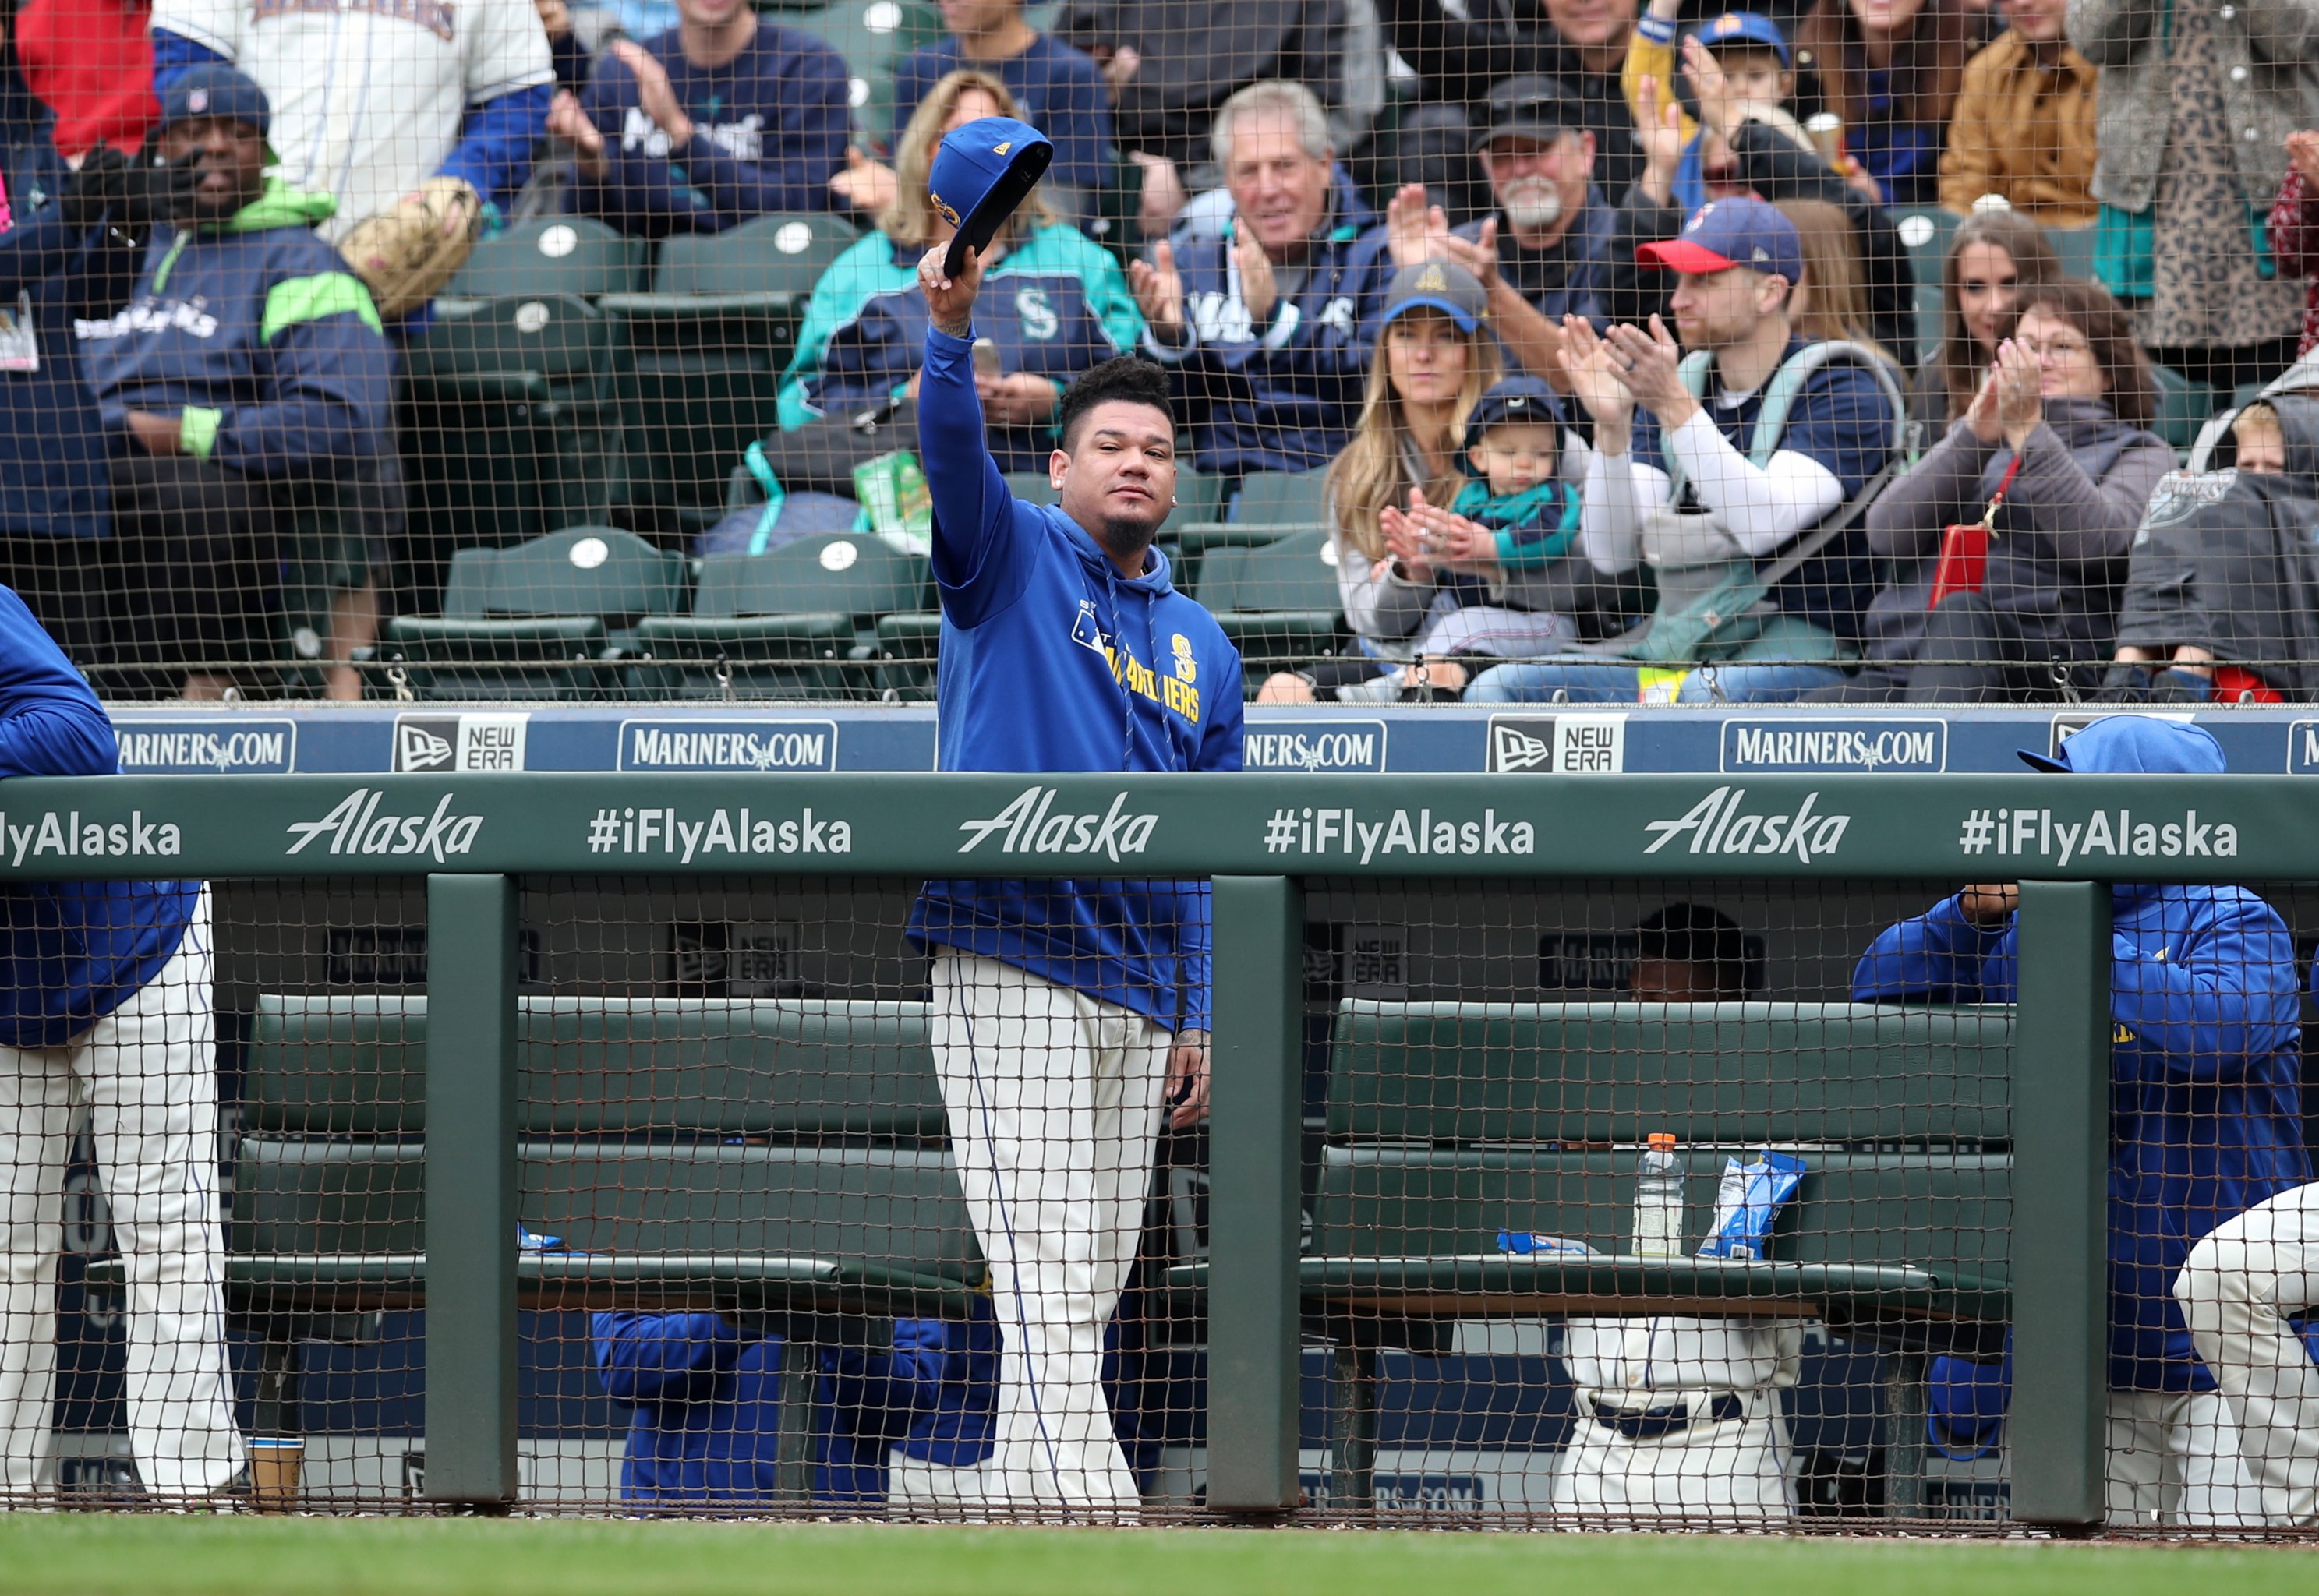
(1052, 661)
(1282, 396)
(75, 950)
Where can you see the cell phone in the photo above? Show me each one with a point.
(986, 358)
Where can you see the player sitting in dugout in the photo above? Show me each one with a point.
(2206, 1060)
(1056, 304)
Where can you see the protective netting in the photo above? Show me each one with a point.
(810, 1220)
(536, 349)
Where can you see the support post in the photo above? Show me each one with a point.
(1254, 1144)
(2060, 1270)
(471, 1191)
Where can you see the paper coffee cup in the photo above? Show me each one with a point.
(274, 1464)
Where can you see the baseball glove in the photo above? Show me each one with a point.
(407, 252)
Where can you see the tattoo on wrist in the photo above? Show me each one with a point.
(959, 329)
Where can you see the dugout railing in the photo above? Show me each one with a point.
(1928, 1233)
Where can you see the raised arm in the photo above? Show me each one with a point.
(980, 557)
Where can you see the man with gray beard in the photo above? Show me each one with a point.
(1539, 251)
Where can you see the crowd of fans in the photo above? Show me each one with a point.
(1598, 317)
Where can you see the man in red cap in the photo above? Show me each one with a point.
(1695, 484)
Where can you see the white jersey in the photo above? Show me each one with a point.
(367, 95)
(1634, 1363)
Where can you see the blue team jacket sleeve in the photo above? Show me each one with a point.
(1936, 956)
(2214, 1006)
(332, 382)
(173, 53)
(1220, 750)
(50, 723)
(496, 139)
(980, 556)
(657, 1358)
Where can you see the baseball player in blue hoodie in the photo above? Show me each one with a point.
(104, 995)
(1064, 1011)
(2205, 1111)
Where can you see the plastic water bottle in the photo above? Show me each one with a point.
(1658, 1199)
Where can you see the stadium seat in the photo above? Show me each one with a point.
(908, 646)
(542, 620)
(511, 426)
(873, 36)
(2183, 406)
(1925, 233)
(838, 1209)
(707, 347)
(1450, 1123)
(787, 623)
(573, 255)
(2075, 247)
(1278, 602)
(1290, 499)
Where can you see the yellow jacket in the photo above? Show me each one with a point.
(2025, 132)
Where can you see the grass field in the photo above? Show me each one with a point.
(84, 1553)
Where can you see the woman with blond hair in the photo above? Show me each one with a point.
(1056, 304)
(1389, 492)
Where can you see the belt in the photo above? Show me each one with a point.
(1650, 1424)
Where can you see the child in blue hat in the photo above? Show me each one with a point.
(1513, 454)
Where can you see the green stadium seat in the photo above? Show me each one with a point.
(2075, 247)
(511, 425)
(785, 624)
(1926, 234)
(1278, 602)
(708, 345)
(793, 1069)
(873, 36)
(2183, 406)
(1292, 500)
(585, 587)
(908, 646)
(548, 255)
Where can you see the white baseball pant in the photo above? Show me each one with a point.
(2238, 1288)
(147, 1072)
(1054, 1105)
(1729, 1471)
(2173, 1460)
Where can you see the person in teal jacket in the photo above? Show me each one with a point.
(1054, 303)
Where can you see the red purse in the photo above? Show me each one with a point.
(1964, 564)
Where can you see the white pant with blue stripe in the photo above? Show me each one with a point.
(1054, 1105)
(147, 1072)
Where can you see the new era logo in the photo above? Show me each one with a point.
(417, 748)
(1514, 749)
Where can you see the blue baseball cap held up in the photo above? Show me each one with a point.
(1734, 232)
(2144, 744)
(981, 172)
(214, 89)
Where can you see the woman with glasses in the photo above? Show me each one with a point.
(2067, 397)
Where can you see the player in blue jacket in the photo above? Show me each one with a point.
(1067, 1014)
(2206, 1113)
(106, 997)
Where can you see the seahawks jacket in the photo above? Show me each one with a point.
(1054, 307)
(257, 335)
(2205, 1111)
(1282, 394)
(76, 950)
(1052, 661)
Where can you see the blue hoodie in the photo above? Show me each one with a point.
(1282, 396)
(76, 949)
(257, 336)
(52, 452)
(1052, 661)
(706, 1400)
(2205, 1111)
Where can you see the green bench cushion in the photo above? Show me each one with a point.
(1729, 1072)
(342, 1065)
